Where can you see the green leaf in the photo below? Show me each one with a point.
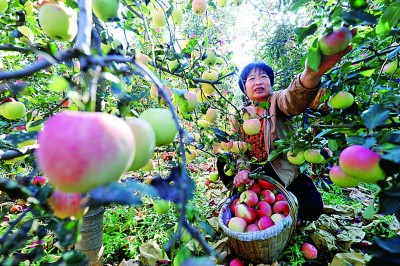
(303, 32)
(375, 116)
(392, 155)
(389, 19)
(298, 4)
(314, 56)
(370, 211)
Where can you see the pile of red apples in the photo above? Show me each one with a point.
(257, 208)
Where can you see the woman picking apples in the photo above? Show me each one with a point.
(256, 81)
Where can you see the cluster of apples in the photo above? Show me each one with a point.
(60, 22)
(103, 146)
(259, 207)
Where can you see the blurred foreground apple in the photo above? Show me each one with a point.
(79, 151)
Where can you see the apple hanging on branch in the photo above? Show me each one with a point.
(58, 21)
(79, 151)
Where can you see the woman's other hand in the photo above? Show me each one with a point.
(241, 178)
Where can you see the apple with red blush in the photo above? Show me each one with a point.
(255, 187)
(233, 205)
(281, 207)
(263, 209)
(249, 214)
(279, 197)
(252, 228)
(268, 196)
(237, 224)
(249, 197)
(266, 185)
(265, 222)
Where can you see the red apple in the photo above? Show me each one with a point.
(79, 151)
(339, 178)
(266, 185)
(279, 197)
(252, 228)
(234, 205)
(39, 180)
(263, 209)
(255, 187)
(281, 207)
(265, 222)
(65, 205)
(268, 196)
(309, 251)
(249, 197)
(236, 262)
(249, 214)
(361, 163)
(237, 224)
(335, 41)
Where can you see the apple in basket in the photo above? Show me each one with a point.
(265, 222)
(249, 197)
(252, 228)
(233, 205)
(277, 217)
(263, 209)
(281, 207)
(245, 212)
(266, 185)
(267, 196)
(236, 262)
(237, 224)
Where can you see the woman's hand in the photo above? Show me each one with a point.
(310, 79)
(241, 178)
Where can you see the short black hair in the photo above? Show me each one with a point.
(255, 65)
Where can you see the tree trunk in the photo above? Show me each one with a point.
(91, 243)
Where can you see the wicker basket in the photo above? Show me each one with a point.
(266, 245)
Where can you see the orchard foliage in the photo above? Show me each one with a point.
(116, 58)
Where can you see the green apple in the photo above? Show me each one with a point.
(339, 178)
(392, 68)
(58, 84)
(177, 16)
(34, 128)
(11, 109)
(187, 102)
(341, 100)
(58, 21)
(191, 155)
(252, 126)
(222, 3)
(199, 6)
(211, 115)
(211, 75)
(237, 2)
(159, 19)
(211, 58)
(213, 177)
(145, 140)
(161, 206)
(298, 159)
(203, 123)
(163, 125)
(228, 170)
(249, 112)
(313, 156)
(105, 10)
